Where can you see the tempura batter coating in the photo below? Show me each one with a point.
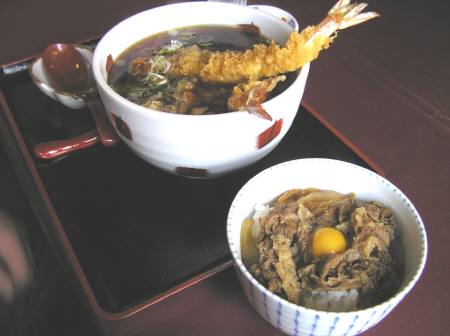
(261, 61)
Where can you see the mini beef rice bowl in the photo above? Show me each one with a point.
(324, 250)
(333, 260)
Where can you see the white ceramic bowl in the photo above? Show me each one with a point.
(343, 177)
(41, 79)
(201, 146)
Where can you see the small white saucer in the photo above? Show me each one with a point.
(40, 78)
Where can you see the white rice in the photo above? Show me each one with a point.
(261, 210)
(333, 301)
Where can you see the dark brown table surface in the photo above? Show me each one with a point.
(384, 86)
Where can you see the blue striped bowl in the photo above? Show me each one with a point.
(342, 177)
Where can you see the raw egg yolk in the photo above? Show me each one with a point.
(328, 240)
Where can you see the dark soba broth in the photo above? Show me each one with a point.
(185, 95)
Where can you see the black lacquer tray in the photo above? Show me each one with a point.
(128, 233)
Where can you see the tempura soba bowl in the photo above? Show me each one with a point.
(344, 178)
(195, 145)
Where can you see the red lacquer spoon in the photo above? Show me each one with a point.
(69, 72)
(53, 149)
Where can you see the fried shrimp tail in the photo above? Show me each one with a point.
(269, 60)
(249, 96)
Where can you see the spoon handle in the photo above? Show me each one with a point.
(108, 135)
(53, 149)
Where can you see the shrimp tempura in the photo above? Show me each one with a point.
(268, 60)
(249, 96)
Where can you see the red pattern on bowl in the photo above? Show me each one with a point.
(122, 127)
(269, 134)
